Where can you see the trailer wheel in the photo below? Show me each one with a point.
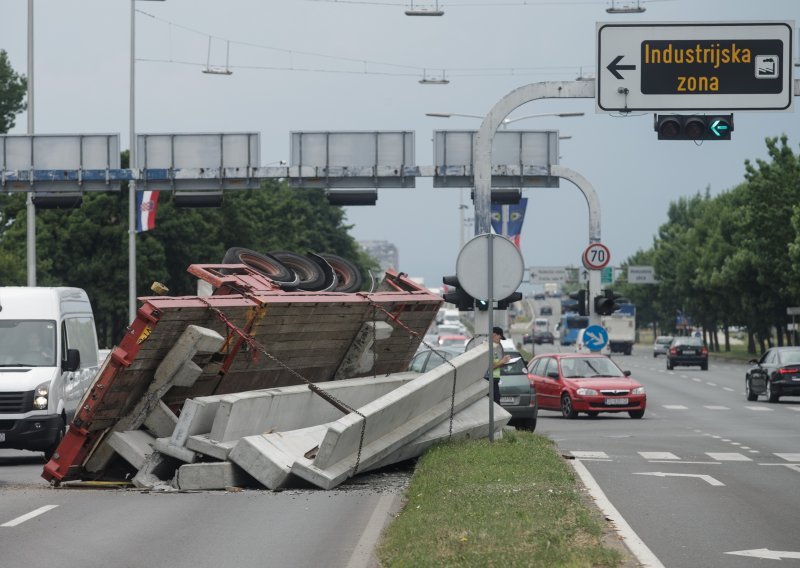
(266, 264)
(311, 276)
(331, 281)
(347, 273)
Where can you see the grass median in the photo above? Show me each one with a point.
(514, 502)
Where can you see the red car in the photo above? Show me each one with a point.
(590, 383)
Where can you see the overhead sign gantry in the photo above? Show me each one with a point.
(697, 66)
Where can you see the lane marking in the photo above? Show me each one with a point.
(728, 456)
(28, 516)
(707, 478)
(709, 384)
(685, 461)
(789, 457)
(759, 408)
(729, 389)
(795, 408)
(363, 553)
(717, 407)
(695, 379)
(658, 456)
(589, 455)
(674, 407)
(635, 544)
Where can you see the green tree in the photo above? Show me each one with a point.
(13, 87)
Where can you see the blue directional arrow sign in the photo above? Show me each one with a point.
(595, 337)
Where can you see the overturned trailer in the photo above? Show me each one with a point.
(205, 389)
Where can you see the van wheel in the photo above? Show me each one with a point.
(62, 428)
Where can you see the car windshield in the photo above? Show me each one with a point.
(664, 340)
(516, 367)
(27, 343)
(589, 367)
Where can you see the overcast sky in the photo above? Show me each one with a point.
(301, 65)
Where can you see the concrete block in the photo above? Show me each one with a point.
(161, 421)
(165, 446)
(469, 423)
(156, 473)
(290, 408)
(204, 445)
(197, 417)
(268, 458)
(213, 475)
(360, 356)
(133, 446)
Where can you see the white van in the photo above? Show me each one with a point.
(48, 360)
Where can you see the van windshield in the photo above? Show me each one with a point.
(27, 343)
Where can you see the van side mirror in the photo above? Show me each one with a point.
(73, 361)
(626, 373)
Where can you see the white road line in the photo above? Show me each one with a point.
(707, 478)
(717, 407)
(589, 455)
(674, 407)
(729, 389)
(795, 408)
(28, 516)
(635, 544)
(759, 408)
(789, 457)
(709, 384)
(363, 552)
(658, 455)
(685, 461)
(695, 379)
(728, 456)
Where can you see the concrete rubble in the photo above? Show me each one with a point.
(271, 437)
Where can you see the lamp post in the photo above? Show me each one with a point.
(506, 121)
(30, 207)
(131, 166)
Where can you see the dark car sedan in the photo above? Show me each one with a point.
(517, 396)
(687, 351)
(541, 337)
(776, 374)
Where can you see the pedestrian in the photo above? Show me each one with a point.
(499, 359)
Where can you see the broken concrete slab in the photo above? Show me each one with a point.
(133, 446)
(165, 446)
(176, 369)
(211, 475)
(161, 421)
(360, 358)
(202, 444)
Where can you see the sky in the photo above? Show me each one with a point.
(315, 65)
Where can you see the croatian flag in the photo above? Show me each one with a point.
(146, 206)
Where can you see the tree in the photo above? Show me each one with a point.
(12, 93)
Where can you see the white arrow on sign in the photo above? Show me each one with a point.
(707, 478)
(766, 553)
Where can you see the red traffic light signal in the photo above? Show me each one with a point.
(693, 127)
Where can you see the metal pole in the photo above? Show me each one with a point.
(490, 312)
(31, 208)
(132, 183)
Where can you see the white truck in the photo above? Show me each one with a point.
(621, 328)
(48, 360)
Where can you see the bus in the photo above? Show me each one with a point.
(569, 325)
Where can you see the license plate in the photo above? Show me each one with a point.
(2, 436)
(689, 351)
(509, 400)
(616, 401)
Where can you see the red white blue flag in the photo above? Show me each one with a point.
(507, 219)
(146, 206)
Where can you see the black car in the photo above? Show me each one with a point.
(687, 351)
(541, 337)
(776, 374)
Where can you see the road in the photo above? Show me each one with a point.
(40, 526)
(705, 473)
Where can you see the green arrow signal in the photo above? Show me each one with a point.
(719, 127)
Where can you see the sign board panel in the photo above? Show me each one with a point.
(641, 275)
(607, 275)
(793, 311)
(542, 274)
(595, 337)
(694, 66)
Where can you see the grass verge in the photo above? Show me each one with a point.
(514, 502)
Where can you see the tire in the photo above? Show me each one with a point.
(751, 396)
(670, 366)
(62, 428)
(771, 395)
(311, 276)
(331, 281)
(636, 414)
(346, 272)
(528, 424)
(265, 264)
(593, 414)
(567, 410)
(704, 367)
(655, 355)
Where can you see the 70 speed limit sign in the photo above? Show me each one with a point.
(596, 256)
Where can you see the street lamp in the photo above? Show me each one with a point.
(30, 207)
(506, 121)
(131, 166)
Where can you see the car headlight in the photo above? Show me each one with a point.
(585, 392)
(638, 390)
(40, 396)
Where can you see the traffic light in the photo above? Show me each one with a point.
(503, 304)
(458, 295)
(481, 305)
(694, 127)
(580, 297)
(607, 303)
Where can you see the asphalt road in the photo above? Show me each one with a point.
(705, 473)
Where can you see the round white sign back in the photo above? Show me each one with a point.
(472, 267)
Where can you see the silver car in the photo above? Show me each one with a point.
(661, 346)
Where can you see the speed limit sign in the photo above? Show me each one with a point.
(596, 256)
